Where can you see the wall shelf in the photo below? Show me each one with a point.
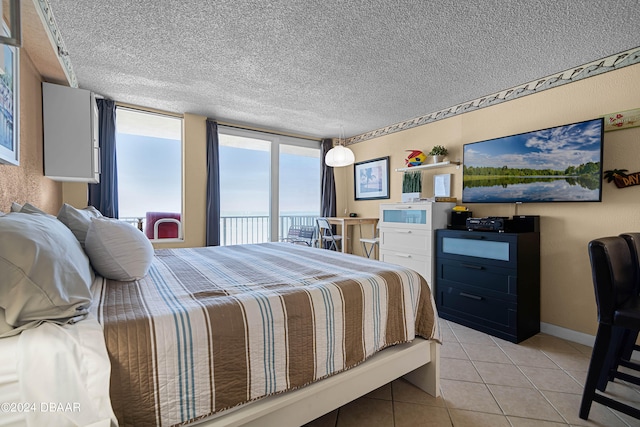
(430, 166)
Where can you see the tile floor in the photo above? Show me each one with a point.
(487, 381)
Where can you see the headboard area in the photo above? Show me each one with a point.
(26, 182)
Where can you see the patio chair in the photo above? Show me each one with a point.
(163, 225)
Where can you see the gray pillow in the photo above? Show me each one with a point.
(30, 209)
(45, 274)
(15, 207)
(78, 220)
(118, 250)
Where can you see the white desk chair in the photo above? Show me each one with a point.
(326, 237)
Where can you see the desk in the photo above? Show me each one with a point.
(346, 221)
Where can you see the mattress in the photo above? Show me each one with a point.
(212, 328)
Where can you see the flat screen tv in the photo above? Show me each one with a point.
(559, 164)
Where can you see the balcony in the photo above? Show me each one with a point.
(240, 230)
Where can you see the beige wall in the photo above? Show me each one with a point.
(567, 298)
(26, 182)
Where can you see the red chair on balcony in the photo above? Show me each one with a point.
(163, 225)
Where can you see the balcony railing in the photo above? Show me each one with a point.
(239, 230)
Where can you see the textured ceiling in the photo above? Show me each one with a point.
(308, 67)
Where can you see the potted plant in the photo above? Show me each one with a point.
(411, 186)
(437, 153)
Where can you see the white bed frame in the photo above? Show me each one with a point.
(418, 361)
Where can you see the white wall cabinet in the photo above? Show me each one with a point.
(407, 237)
(71, 148)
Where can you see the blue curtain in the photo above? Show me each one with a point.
(328, 190)
(213, 185)
(104, 195)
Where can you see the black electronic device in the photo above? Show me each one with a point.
(559, 164)
(489, 223)
(525, 224)
(459, 219)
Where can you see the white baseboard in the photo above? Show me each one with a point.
(567, 334)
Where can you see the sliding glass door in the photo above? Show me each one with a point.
(267, 183)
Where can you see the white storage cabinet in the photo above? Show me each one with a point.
(71, 148)
(407, 237)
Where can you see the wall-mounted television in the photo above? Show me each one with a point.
(558, 164)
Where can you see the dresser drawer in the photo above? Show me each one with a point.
(481, 310)
(486, 277)
(406, 240)
(422, 264)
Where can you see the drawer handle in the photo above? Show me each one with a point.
(475, 297)
(404, 231)
(475, 267)
(404, 255)
(476, 237)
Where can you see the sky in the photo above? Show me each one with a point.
(244, 181)
(149, 171)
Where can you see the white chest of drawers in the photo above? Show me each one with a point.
(407, 237)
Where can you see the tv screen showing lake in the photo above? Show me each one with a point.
(560, 164)
(531, 190)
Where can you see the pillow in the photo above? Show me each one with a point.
(30, 209)
(45, 274)
(78, 220)
(15, 207)
(118, 250)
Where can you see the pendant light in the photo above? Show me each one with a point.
(340, 155)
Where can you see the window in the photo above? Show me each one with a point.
(267, 184)
(149, 156)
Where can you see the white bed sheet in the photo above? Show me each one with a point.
(9, 385)
(56, 376)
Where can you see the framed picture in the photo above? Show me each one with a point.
(9, 104)
(371, 179)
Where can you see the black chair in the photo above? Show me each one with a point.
(623, 341)
(614, 273)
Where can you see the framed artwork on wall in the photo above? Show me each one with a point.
(9, 104)
(371, 179)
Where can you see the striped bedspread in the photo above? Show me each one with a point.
(210, 328)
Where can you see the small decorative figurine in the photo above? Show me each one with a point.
(416, 158)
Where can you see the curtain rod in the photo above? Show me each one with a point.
(147, 109)
(242, 127)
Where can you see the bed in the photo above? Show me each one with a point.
(268, 334)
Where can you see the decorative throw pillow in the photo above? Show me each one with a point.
(118, 250)
(45, 274)
(78, 220)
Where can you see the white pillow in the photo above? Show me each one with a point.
(118, 250)
(44, 273)
(78, 220)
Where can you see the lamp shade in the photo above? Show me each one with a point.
(339, 156)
